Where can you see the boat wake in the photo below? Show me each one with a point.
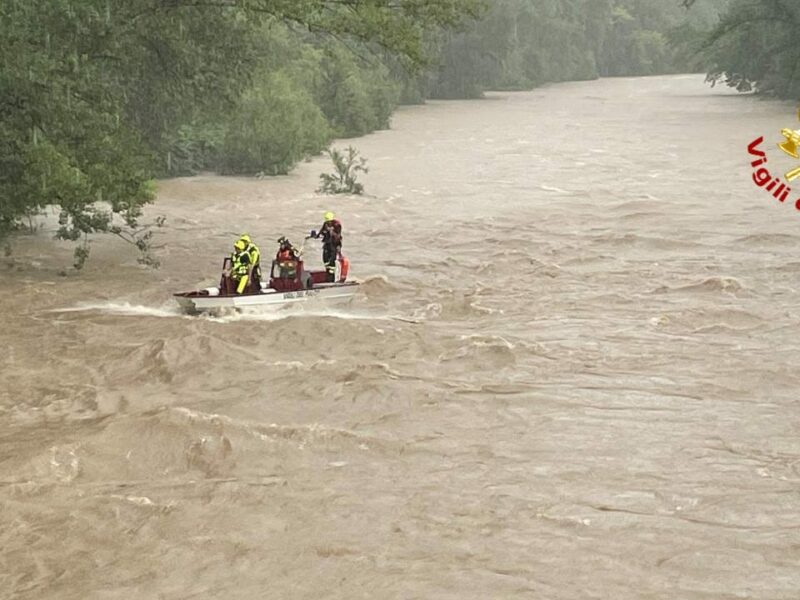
(263, 314)
(299, 312)
(123, 309)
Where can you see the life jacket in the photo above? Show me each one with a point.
(239, 266)
(287, 263)
(255, 254)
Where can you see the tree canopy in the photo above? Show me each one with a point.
(754, 47)
(93, 93)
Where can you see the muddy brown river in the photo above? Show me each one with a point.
(571, 373)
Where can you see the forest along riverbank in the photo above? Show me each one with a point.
(571, 373)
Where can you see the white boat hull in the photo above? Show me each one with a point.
(268, 297)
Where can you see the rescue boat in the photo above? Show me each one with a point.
(288, 284)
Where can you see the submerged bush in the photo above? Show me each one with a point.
(343, 180)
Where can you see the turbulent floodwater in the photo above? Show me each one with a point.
(572, 373)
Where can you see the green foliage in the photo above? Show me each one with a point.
(356, 98)
(524, 43)
(99, 96)
(70, 76)
(397, 27)
(754, 48)
(633, 49)
(465, 67)
(275, 125)
(195, 147)
(343, 180)
(141, 237)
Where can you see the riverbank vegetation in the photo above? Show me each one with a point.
(753, 47)
(98, 97)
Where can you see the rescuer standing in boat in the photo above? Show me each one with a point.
(255, 257)
(245, 264)
(331, 232)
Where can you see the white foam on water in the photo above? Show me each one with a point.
(262, 314)
(549, 188)
(124, 309)
(299, 311)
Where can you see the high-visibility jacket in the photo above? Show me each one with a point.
(240, 263)
(255, 254)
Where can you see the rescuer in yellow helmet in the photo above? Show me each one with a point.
(245, 265)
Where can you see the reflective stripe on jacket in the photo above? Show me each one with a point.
(240, 263)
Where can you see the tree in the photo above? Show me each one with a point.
(275, 124)
(94, 94)
(754, 48)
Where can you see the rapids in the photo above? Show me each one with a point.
(571, 373)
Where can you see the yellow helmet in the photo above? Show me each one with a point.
(245, 238)
(329, 216)
(240, 245)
